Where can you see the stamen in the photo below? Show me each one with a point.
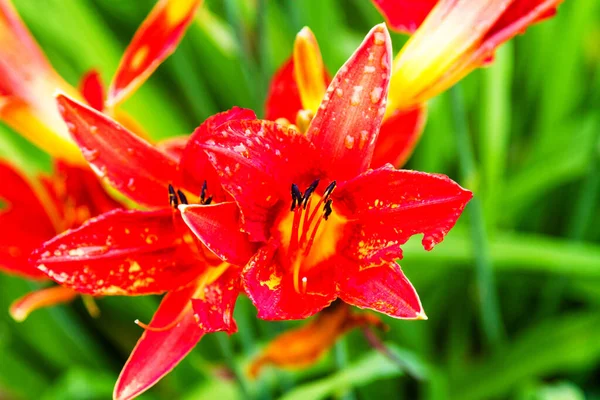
(327, 209)
(173, 201)
(162, 328)
(203, 192)
(304, 282)
(208, 201)
(329, 189)
(309, 191)
(296, 196)
(182, 197)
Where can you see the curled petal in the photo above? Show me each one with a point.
(159, 351)
(257, 161)
(404, 15)
(120, 253)
(346, 126)
(399, 135)
(309, 71)
(389, 206)
(154, 41)
(304, 346)
(383, 288)
(129, 163)
(214, 303)
(218, 227)
(456, 38)
(270, 286)
(48, 297)
(194, 163)
(92, 89)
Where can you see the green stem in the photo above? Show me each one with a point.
(341, 360)
(490, 315)
(227, 351)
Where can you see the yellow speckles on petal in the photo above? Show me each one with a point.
(379, 38)
(135, 267)
(273, 282)
(139, 57)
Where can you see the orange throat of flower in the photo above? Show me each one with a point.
(310, 231)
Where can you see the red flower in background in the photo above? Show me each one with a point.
(450, 39)
(299, 85)
(35, 211)
(135, 252)
(339, 230)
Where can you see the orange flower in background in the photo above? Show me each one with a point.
(35, 211)
(453, 38)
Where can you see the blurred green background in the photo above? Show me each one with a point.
(512, 294)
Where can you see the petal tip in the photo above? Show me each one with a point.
(421, 316)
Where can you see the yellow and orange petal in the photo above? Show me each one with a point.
(48, 297)
(154, 41)
(455, 38)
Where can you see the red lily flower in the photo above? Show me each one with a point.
(453, 38)
(340, 236)
(37, 210)
(139, 252)
(28, 82)
(299, 85)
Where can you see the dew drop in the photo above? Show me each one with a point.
(355, 99)
(93, 129)
(379, 38)
(131, 184)
(376, 95)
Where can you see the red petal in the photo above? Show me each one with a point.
(257, 161)
(517, 17)
(17, 190)
(345, 128)
(154, 41)
(271, 288)
(214, 306)
(218, 227)
(120, 253)
(158, 352)
(382, 288)
(194, 162)
(390, 206)
(398, 137)
(129, 163)
(48, 297)
(174, 147)
(404, 15)
(92, 89)
(283, 98)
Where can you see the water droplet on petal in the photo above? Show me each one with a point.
(349, 142)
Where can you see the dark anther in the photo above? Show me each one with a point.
(208, 201)
(327, 208)
(309, 191)
(173, 201)
(296, 196)
(203, 193)
(182, 197)
(329, 189)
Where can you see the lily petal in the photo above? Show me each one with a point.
(345, 128)
(383, 288)
(194, 162)
(271, 288)
(248, 156)
(159, 351)
(309, 71)
(27, 84)
(456, 38)
(218, 228)
(399, 135)
(214, 304)
(392, 205)
(92, 89)
(20, 309)
(120, 253)
(127, 162)
(304, 346)
(283, 97)
(154, 41)
(404, 15)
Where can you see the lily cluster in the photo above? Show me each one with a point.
(296, 211)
